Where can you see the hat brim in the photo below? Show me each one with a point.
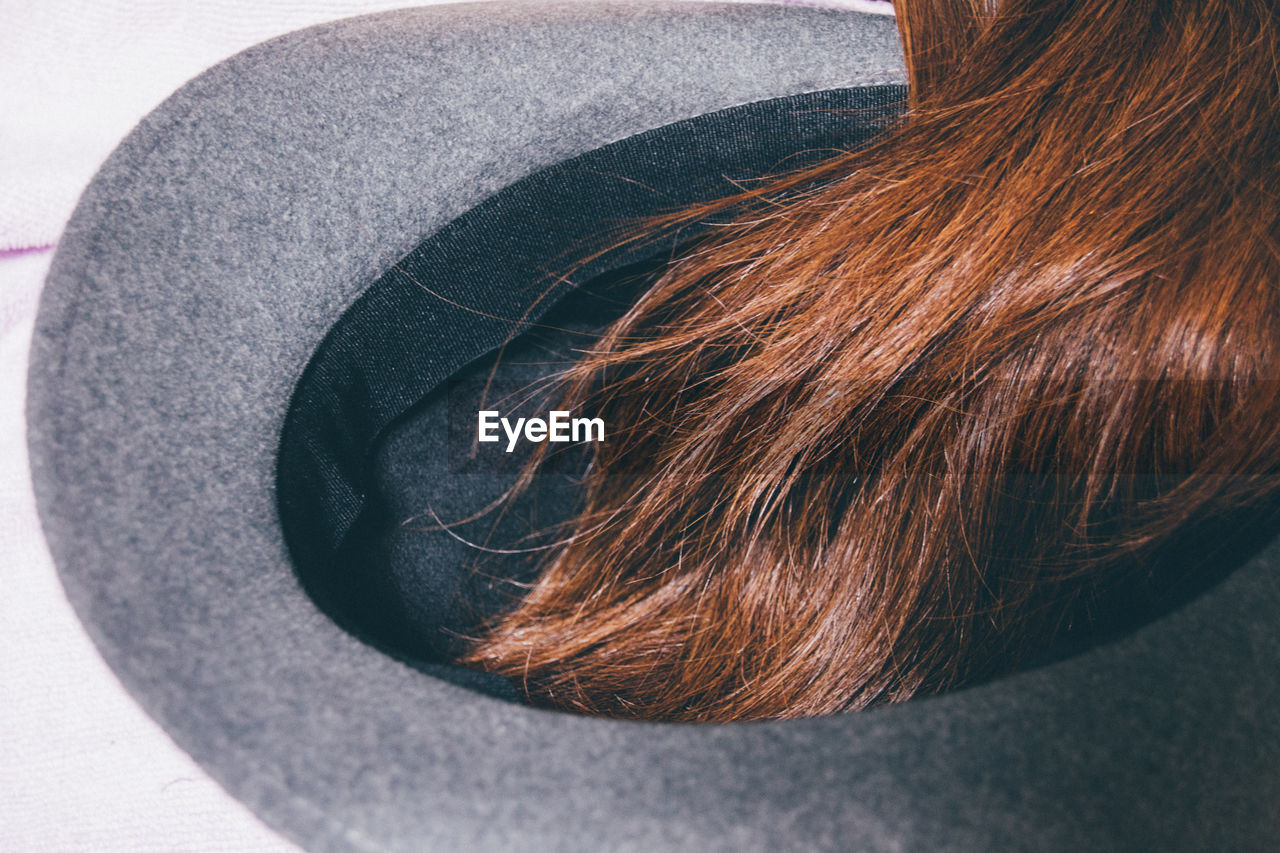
(200, 272)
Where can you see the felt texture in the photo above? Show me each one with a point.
(201, 271)
(77, 75)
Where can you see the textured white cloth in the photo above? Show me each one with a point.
(81, 766)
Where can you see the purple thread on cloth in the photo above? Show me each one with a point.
(5, 254)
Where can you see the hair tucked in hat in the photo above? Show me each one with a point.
(926, 408)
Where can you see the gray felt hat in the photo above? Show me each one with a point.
(242, 258)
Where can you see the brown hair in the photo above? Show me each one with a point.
(922, 407)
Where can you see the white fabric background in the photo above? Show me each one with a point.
(82, 768)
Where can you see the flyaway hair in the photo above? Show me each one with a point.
(925, 409)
